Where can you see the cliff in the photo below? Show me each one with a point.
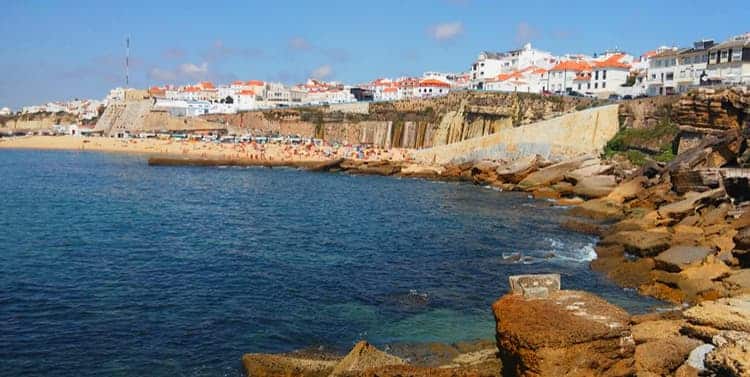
(36, 121)
(412, 123)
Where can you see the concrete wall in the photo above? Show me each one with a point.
(567, 136)
(355, 108)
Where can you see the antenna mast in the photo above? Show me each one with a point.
(127, 61)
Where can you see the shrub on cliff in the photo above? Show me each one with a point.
(641, 144)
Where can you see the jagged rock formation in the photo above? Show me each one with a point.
(706, 112)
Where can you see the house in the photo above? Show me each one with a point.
(568, 75)
(692, 65)
(609, 73)
(432, 88)
(246, 100)
(729, 62)
(661, 72)
(528, 80)
(490, 64)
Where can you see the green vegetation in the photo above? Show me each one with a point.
(641, 145)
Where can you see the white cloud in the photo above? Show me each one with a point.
(322, 72)
(159, 74)
(193, 71)
(446, 31)
(299, 43)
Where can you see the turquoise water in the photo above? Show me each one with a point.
(109, 267)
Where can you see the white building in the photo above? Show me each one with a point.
(729, 62)
(608, 74)
(5, 111)
(491, 64)
(432, 88)
(662, 71)
(529, 80)
(692, 65)
(568, 75)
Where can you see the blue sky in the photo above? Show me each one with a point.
(59, 50)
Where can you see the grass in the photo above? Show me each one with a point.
(630, 141)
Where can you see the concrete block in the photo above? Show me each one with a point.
(535, 286)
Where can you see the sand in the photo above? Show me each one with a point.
(199, 149)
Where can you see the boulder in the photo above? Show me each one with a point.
(723, 314)
(589, 170)
(731, 357)
(553, 173)
(595, 187)
(689, 203)
(517, 170)
(649, 331)
(663, 356)
(739, 279)
(362, 357)
(643, 243)
(569, 333)
(698, 355)
(627, 190)
(599, 209)
(421, 171)
(742, 238)
(263, 365)
(677, 258)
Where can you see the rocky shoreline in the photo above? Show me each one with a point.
(677, 231)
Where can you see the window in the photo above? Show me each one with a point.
(729, 56)
(596, 85)
(596, 75)
(579, 86)
(588, 86)
(604, 85)
(670, 76)
(604, 74)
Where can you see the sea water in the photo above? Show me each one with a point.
(110, 267)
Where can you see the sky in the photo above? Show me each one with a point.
(62, 50)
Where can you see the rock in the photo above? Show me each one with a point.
(570, 201)
(689, 203)
(724, 314)
(326, 165)
(731, 357)
(677, 258)
(553, 173)
(263, 365)
(704, 333)
(364, 356)
(698, 355)
(687, 235)
(641, 242)
(686, 371)
(627, 190)
(570, 333)
(742, 238)
(662, 292)
(655, 330)
(599, 209)
(595, 187)
(534, 286)
(739, 279)
(589, 170)
(625, 273)
(663, 356)
(421, 171)
(697, 282)
(581, 226)
(517, 170)
(545, 193)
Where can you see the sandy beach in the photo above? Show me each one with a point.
(197, 149)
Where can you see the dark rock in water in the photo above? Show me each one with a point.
(413, 300)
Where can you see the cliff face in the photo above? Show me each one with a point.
(707, 112)
(37, 121)
(411, 124)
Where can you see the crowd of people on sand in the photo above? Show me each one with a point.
(261, 151)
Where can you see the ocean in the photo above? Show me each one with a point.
(109, 267)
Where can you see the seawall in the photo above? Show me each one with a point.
(563, 137)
